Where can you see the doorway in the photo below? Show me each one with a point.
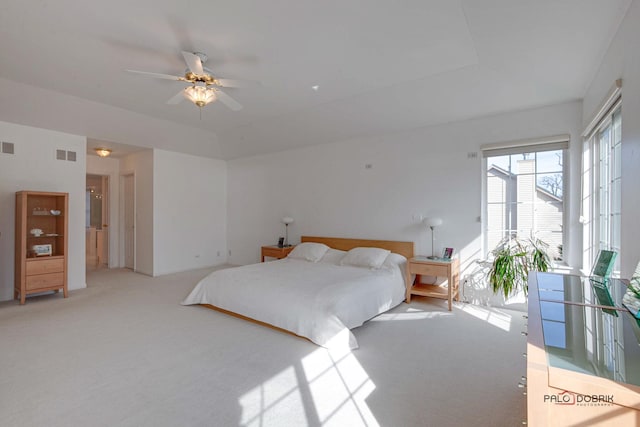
(97, 222)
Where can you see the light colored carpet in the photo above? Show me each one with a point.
(124, 352)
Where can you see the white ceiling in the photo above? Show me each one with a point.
(381, 66)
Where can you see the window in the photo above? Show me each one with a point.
(602, 177)
(524, 197)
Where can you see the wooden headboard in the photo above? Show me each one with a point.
(402, 248)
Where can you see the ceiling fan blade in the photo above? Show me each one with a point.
(158, 75)
(177, 98)
(228, 101)
(193, 62)
(237, 83)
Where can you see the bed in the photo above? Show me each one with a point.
(316, 298)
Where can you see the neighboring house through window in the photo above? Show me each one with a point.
(524, 192)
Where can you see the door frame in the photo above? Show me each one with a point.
(123, 176)
(108, 198)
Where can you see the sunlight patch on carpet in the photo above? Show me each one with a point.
(264, 404)
(492, 316)
(339, 386)
(412, 314)
(327, 387)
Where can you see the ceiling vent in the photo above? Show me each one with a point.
(8, 148)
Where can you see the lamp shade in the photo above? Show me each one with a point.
(287, 220)
(433, 222)
(200, 95)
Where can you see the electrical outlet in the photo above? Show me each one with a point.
(218, 254)
(229, 252)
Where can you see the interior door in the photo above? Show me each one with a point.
(129, 222)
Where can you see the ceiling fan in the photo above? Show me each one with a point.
(204, 86)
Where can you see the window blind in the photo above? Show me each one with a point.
(608, 105)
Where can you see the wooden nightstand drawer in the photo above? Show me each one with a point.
(275, 251)
(430, 269)
(41, 281)
(42, 266)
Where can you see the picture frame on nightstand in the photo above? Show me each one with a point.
(447, 254)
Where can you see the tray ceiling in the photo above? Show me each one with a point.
(379, 66)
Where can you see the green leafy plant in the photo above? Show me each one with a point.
(634, 286)
(512, 261)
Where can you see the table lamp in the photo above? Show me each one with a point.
(286, 221)
(432, 223)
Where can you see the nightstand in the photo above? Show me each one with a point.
(276, 251)
(422, 266)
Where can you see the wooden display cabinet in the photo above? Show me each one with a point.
(41, 256)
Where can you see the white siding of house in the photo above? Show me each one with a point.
(536, 210)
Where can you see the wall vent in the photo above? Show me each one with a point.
(71, 156)
(61, 155)
(472, 155)
(8, 148)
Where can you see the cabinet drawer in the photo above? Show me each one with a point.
(276, 252)
(430, 270)
(42, 266)
(44, 281)
(272, 252)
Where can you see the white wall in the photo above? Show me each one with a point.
(34, 167)
(190, 210)
(328, 190)
(141, 165)
(54, 110)
(111, 168)
(622, 60)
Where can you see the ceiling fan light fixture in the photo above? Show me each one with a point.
(200, 95)
(103, 152)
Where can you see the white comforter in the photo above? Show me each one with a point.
(318, 301)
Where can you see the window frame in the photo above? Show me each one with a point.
(593, 224)
(486, 250)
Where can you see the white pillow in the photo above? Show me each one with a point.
(333, 256)
(309, 251)
(394, 260)
(365, 257)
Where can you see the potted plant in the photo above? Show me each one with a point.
(512, 261)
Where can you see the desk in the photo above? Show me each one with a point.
(422, 266)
